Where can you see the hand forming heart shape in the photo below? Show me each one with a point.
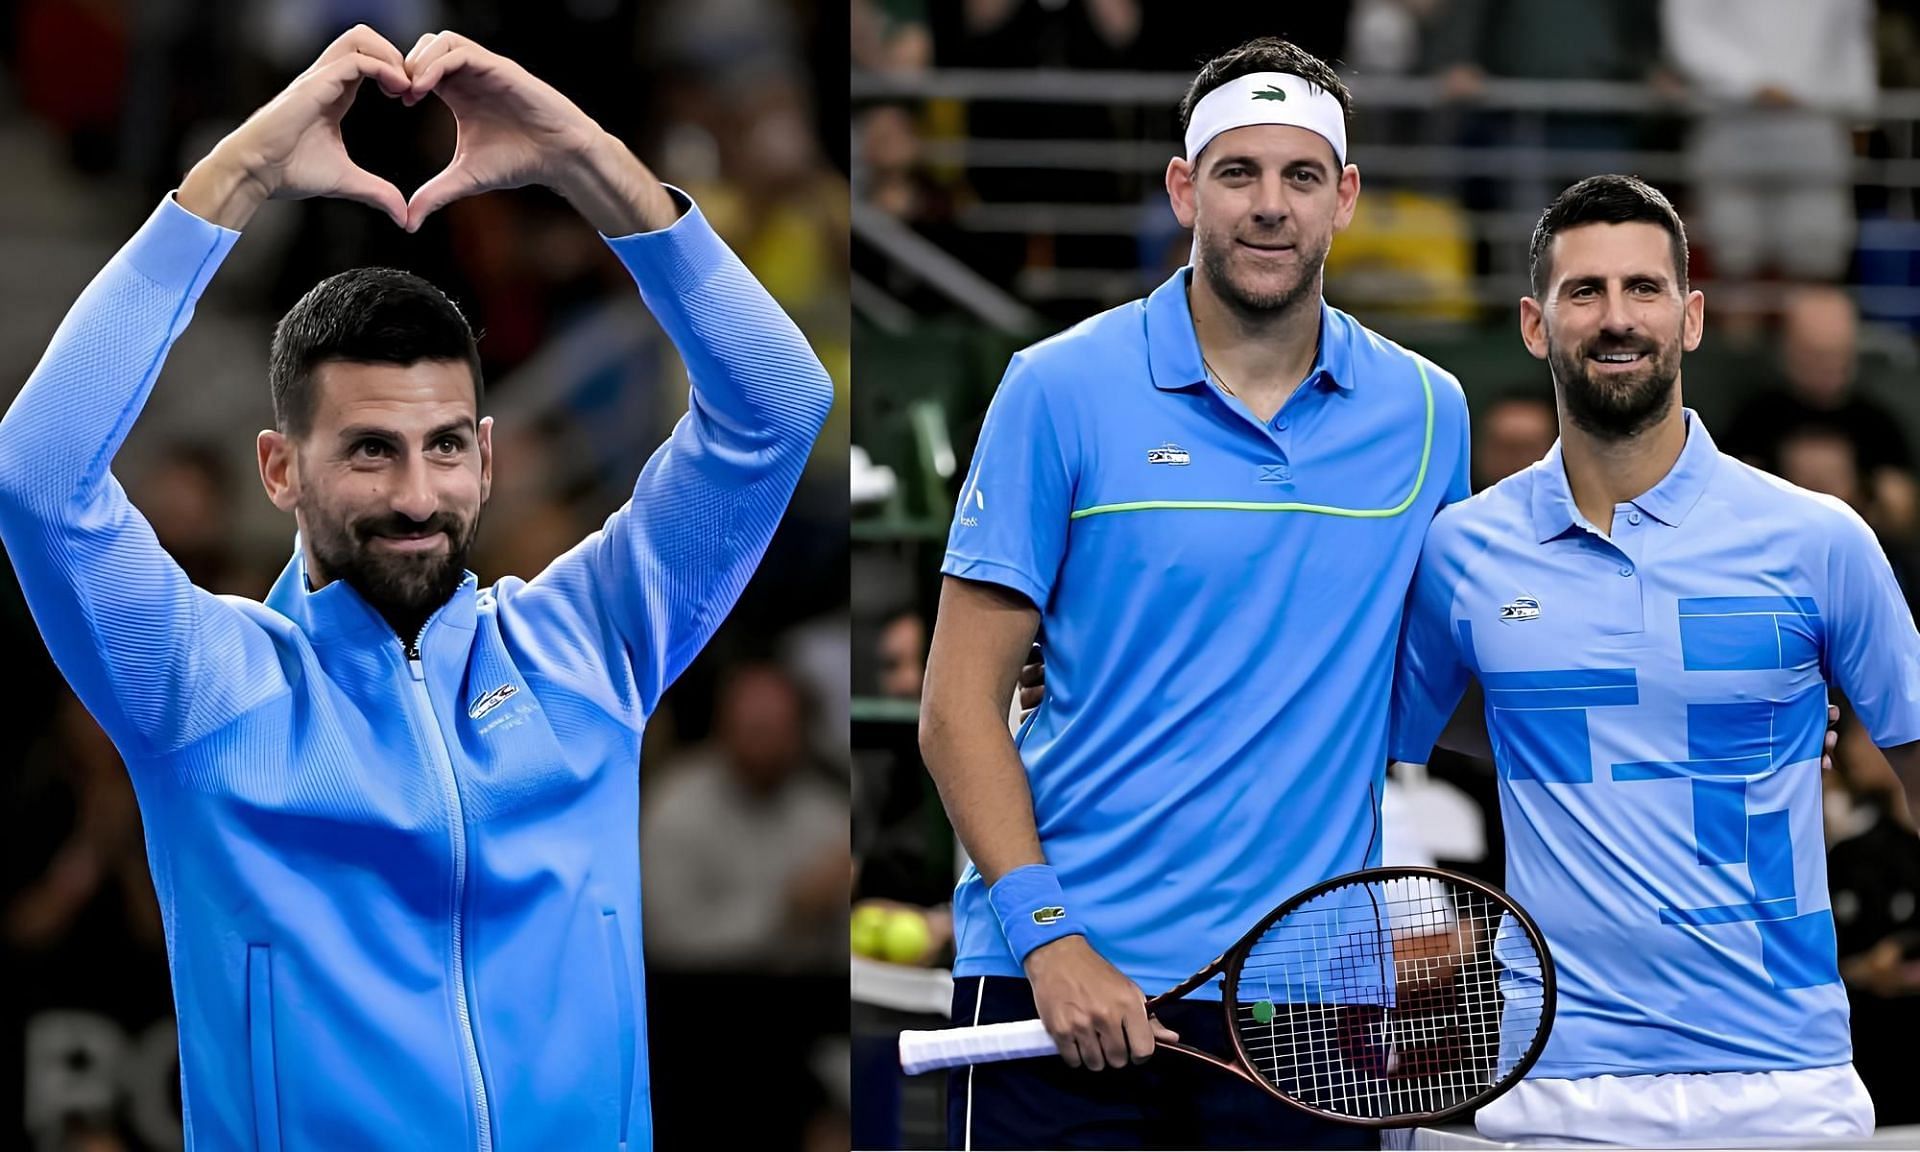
(513, 129)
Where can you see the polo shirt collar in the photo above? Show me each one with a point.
(1173, 351)
(1669, 501)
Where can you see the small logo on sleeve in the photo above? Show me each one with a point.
(1045, 916)
(1523, 608)
(1169, 453)
(491, 700)
(978, 503)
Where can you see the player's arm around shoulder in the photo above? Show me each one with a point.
(1430, 672)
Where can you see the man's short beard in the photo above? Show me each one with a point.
(404, 588)
(1213, 260)
(1620, 409)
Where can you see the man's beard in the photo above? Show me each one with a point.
(1619, 405)
(1215, 263)
(403, 587)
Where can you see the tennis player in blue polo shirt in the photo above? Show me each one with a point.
(1210, 503)
(1655, 626)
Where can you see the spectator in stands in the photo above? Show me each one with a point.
(892, 177)
(891, 36)
(1771, 162)
(745, 842)
(781, 206)
(897, 861)
(1821, 459)
(1042, 33)
(1392, 37)
(903, 655)
(1819, 361)
(102, 860)
(1175, 37)
(527, 522)
(1561, 40)
(1516, 429)
(187, 495)
(82, 926)
(1873, 866)
(1897, 37)
(1548, 40)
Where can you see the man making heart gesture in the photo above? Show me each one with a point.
(391, 816)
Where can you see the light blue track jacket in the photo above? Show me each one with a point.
(401, 881)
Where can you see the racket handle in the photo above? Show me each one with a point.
(976, 1044)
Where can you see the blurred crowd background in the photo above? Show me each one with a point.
(1007, 165)
(104, 104)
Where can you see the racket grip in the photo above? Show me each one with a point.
(976, 1044)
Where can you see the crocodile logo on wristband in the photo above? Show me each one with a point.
(1049, 915)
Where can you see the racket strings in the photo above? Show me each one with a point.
(1381, 999)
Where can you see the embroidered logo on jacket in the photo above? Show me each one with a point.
(491, 700)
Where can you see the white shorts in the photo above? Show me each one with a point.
(1713, 1109)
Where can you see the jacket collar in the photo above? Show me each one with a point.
(338, 614)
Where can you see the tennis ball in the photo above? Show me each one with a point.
(869, 924)
(905, 939)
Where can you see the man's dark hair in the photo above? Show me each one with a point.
(1605, 199)
(363, 316)
(1267, 54)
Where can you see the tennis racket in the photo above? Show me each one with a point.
(1384, 998)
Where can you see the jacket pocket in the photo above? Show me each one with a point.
(266, 1082)
(623, 1012)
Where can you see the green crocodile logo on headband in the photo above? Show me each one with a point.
(1270, 92)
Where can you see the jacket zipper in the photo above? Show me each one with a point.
(443, 760)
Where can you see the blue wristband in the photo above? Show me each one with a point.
(1032, 909)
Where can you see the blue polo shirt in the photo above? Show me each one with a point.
(1657, 702)
(1219, 601)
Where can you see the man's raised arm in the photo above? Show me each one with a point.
(661, 575)
(157, 661)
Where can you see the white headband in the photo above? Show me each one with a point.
(1267, 98)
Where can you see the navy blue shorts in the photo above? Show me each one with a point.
(1171, 1101)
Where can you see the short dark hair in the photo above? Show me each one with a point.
(363, 316)
(1266, 54)
(1608, 199)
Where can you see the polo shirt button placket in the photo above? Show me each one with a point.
(1283, 446)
